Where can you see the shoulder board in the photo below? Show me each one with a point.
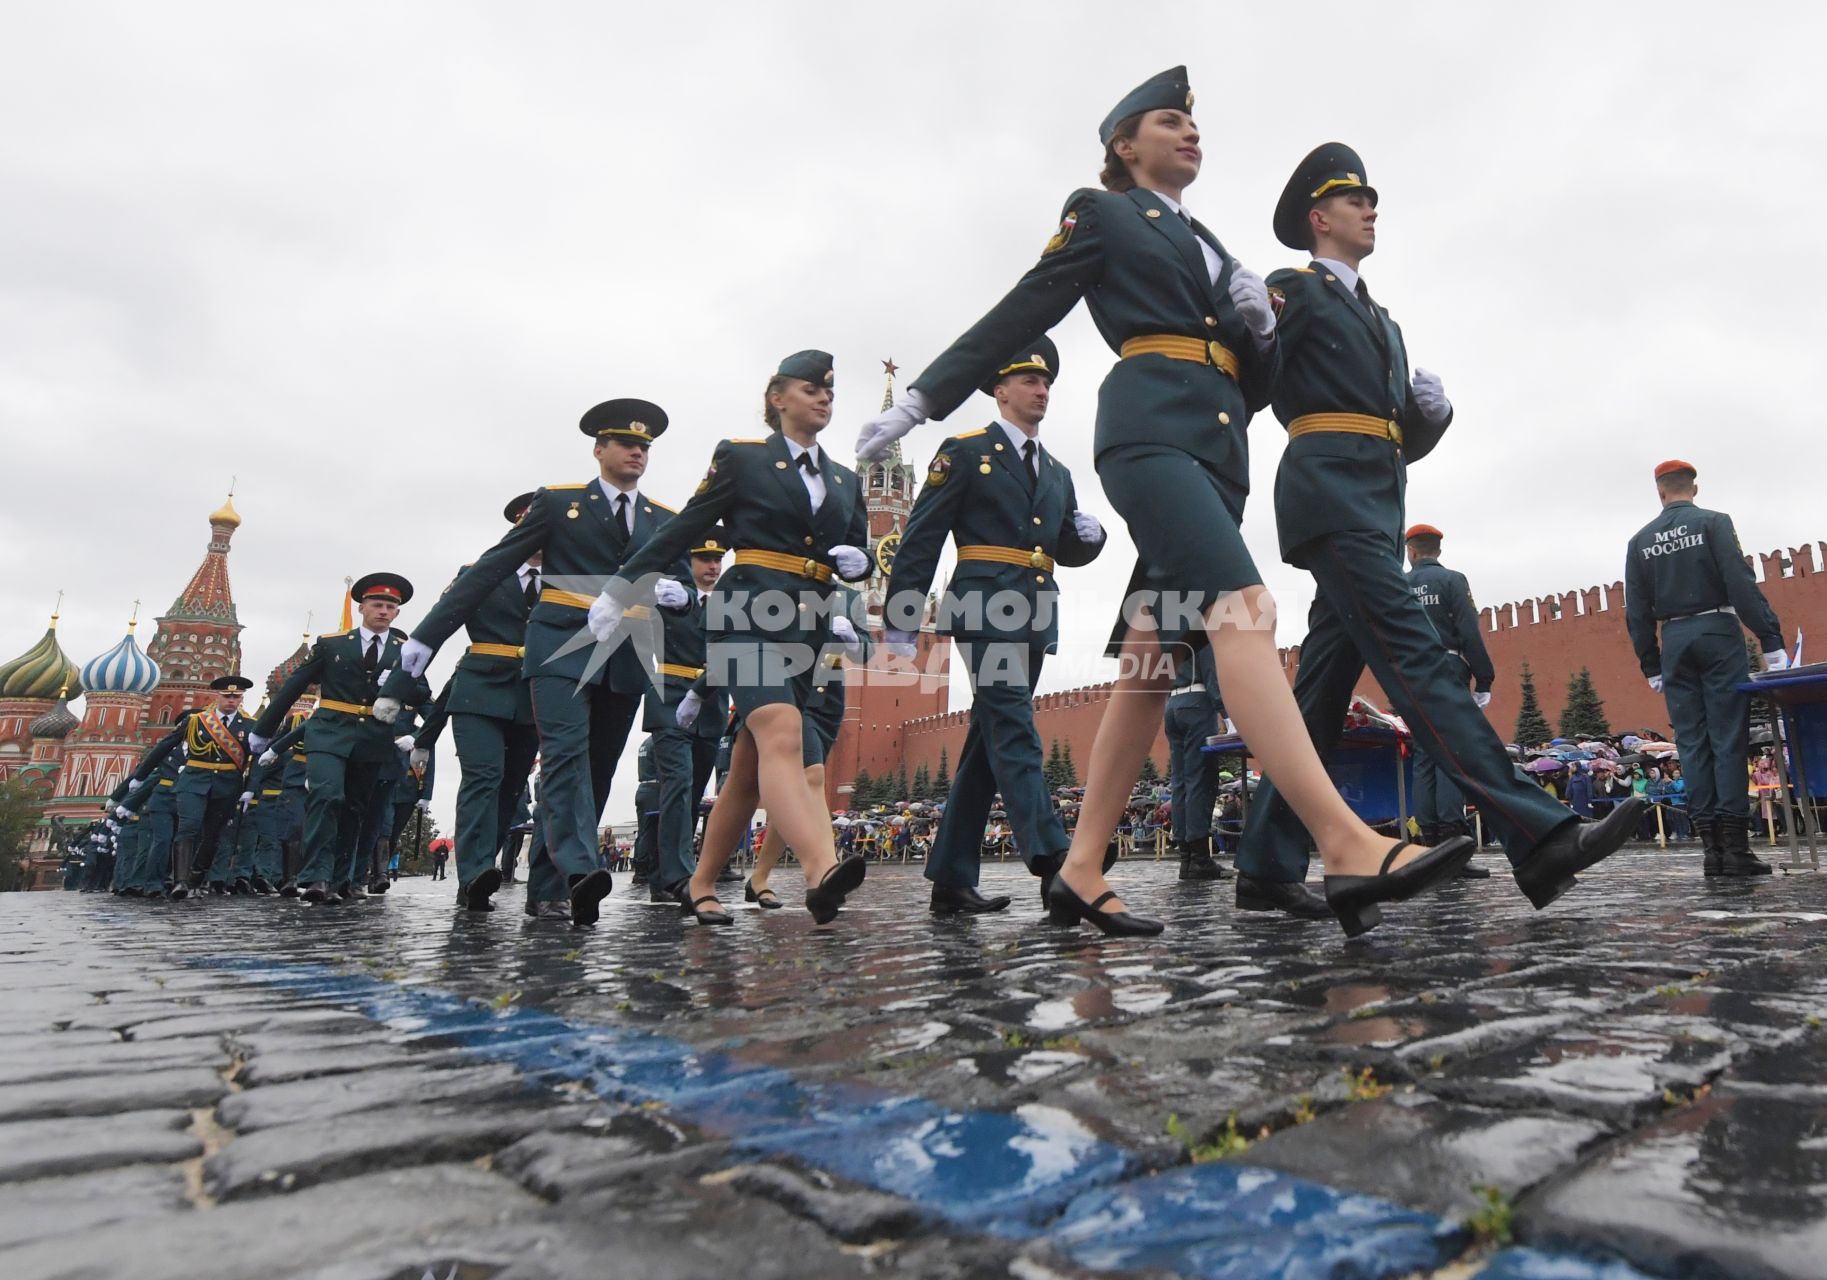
(397, 634)
(331, 635)
(762, 440)
(1305, 271)
(971, 435)
(673, 511)
(565, 486)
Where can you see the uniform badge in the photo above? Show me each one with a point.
(939, 471)
(710, 474)
(572, 513)
(1061, 236)
(983, 463)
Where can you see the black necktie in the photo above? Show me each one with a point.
(1364, 294)
(532, 587)
(1028, 452)
(372, 659)
(810, 463)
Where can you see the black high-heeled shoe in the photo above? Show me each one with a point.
(826, 898)
(1354, 899)
(689, 905)
(1066, 907)
(766, 899)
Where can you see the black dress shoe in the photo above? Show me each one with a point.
(288, 888)
(1471, 871)
(261, 885)
(825, 898)
(729, 874)
(475, 895)
(689, 905)
(1289, 897)
(948, 901)
(1355, 899)
(547, 910)
(587, 893)
(379, 885)
(317, 891)
(1197, 863)
(1549, 869)
(766, 899)
(241, 888)
(178, 892)
(657, 892)
(1066, 907)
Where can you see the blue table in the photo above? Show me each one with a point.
(1800, 698)
(1372, 766)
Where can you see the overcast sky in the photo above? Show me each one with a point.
(375, 261)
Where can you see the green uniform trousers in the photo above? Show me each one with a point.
(1703, 663)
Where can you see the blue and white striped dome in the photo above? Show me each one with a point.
(123, 669)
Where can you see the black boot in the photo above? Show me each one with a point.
(1197, 862)
(181, 853)
(1712, 844)
(475, 895)
(1737, 858)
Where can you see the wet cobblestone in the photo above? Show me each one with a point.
(1631, 1083)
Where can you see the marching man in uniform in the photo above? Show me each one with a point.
(1687, 593)
(214, 740)
(1011, 508)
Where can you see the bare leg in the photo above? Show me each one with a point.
(774, 847)
(1241, 628)
(729, 817)
(794, 810)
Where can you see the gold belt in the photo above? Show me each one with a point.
(1357, 424)
(499, 650)
(167, 782)
(1035, 559)
(212, 765)
(804, 567)
(684, 673)
(1176, 347)
(347, 708)
(276, 791)
(578, 600)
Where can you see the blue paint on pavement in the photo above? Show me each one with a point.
(1033, 1173)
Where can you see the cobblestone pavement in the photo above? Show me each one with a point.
(1633, 1083)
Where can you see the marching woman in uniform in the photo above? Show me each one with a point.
(1196, 335)
(795, 519)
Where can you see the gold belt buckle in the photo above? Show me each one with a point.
(1395, 430)
(1211, 353)
(809, 569)
(1037, 560)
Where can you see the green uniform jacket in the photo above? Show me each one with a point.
(487, 684)
(335, 665)
(1139, 267)
(201, 755)
(753, 489)
(684, 648)
(583, 545)
(978, 491)
(162, 781)
(1686, 561)
(1446, 597)
(1339, 356)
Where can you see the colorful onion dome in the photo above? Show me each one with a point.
(55, 723)
(123, 669)
(226, 514)
(43, 671)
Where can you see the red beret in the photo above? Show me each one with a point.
(1421, 531)
(1673, 465)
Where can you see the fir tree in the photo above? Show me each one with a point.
(1067, 769)
(1531, 725)
(1584, 716)
(1053, 771)
(862, 790)
(942, 782)
(1151, 773)
(922, 784)
(902, 790)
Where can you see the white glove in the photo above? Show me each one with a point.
(1776, 661)
(257, 743)
(845, 633)
(268, 756)
(1483, 699)
(605, 617)
(247, 798)
(1251, 298)
(415, 657)
(1430, 397)
(423, 806)
(851, 563)
(419, 758)
(112, 825)
(122, 811)
(403, 742)
(1655, 684)
(387, 710)
(907, 412)
(1086, 526)
(900, 644)
(670, 593)
(686, 714)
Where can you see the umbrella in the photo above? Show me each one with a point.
(1547, 764)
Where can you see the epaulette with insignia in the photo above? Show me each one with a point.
(762, 440)
(971, 435)
(566, 486)
(673, 511)
(1305, 271)
(331, 635)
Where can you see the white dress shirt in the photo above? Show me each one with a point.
(368, 638)
(527, 572)
(814, 481)
(1017, 440)
(1213, 263)
(1346, 274)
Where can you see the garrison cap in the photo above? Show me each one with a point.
(1168, 91)
(626, 419)
(1327, 170)
(1421, 531)
(1674, 465)
(1037, 356)
(816, 367)
(381, 586)
(239, 684)
(517, 508)
(713, 543)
